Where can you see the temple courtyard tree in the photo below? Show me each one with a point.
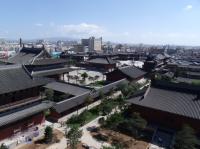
(84, 75)
(48, 134)
(49, 93)
(74, 135)
(186, 139)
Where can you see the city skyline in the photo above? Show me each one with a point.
(148, 22)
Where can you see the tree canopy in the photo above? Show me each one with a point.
(48, 134)
(74, 135)
(84, 75)
(49, 93)
(3, 146)
(128, 89)
(186, 139)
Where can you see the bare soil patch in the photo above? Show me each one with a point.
(39, 144)
(118, 138)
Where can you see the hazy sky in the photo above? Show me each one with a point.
(131, 21)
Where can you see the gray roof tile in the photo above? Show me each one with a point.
(132, 71)
(175, 102)
(67, 88)
(15, 78)
(26, 112)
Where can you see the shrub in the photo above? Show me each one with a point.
(107, 147)
(3, 146)
(74, 135)
(101, 137)
(82, 118)
(48, 134)
(106, 106)
(114, 120)
(101, 121)
(73, 120)
(186, 139)
(49, 93)
(85, 115)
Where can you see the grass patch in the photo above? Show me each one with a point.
(83, 118)
(196, 82)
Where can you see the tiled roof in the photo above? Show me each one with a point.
(70, 103)
(27, 55)
(50, 72)
(105, 60)
(80, 99)
(15, 78)
(175, 102)
(132, 71)
(24, 113)
(67, 88)
(48, 61)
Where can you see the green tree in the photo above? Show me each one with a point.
(128, 89)
(88, 101)
(186, 139)
(48, 134)
(106, 107)
(84, 75)
(3, 146)
(107, 147)
(114, 120)
(74, 135)
(111, 92)
(47, 112)
(138, 121)
(101, 95)
(134, 125)
(49, 93)
(121, 102)
(76, 78)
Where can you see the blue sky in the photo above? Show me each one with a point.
(130, 21)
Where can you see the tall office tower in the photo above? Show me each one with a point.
(20, 42)
(92, 44)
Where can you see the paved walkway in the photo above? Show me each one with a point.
(152, 146)
(87, 81)
(88, 139)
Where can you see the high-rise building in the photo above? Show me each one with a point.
(92, 43)
(85, 42)
(20, 42)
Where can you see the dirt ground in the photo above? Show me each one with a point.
(79, 146)
(57, 136)
(127, 141)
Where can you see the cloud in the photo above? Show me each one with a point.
(82, 30)
(188, 7)
(38, 24)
